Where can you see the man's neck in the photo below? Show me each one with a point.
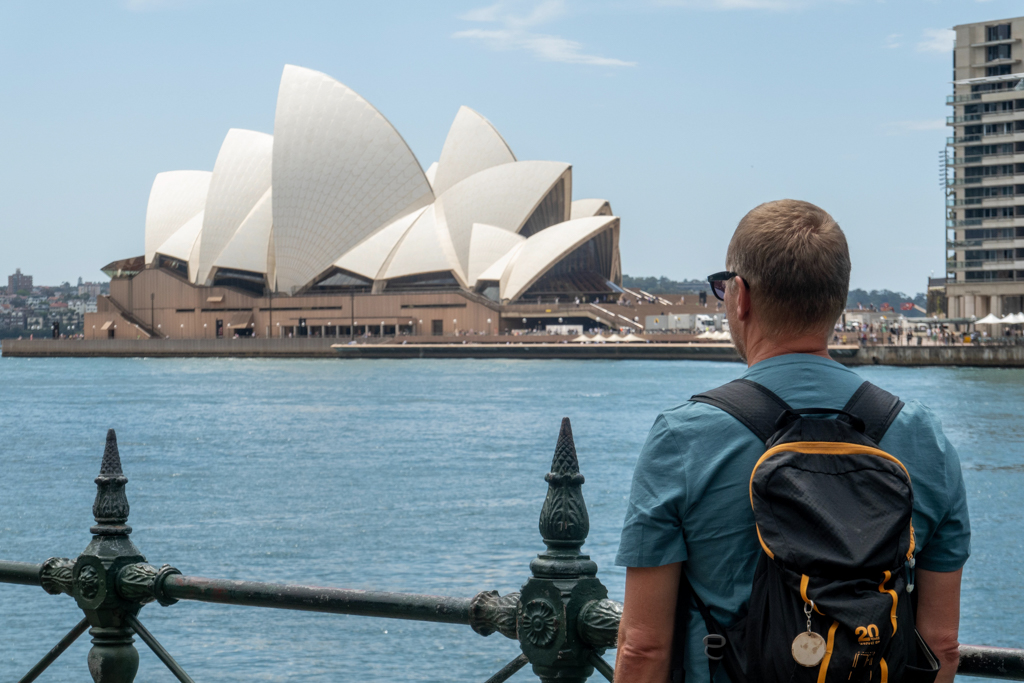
(763, 349)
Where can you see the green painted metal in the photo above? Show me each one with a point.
(23, 573)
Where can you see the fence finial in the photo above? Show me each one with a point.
(111, 505)
(564, 517)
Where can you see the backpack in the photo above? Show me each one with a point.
(830, 600)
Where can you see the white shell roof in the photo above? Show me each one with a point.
(430, 173)
(585, 208)
(501, 196)
(543, 250)
(497, 269)
(341, 171)
(248, 249)
(176, 196)
(426, 248)
(487, 245)
(472, 145)
(241, 177)
(370, 255)
(181, 245)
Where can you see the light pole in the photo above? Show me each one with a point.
(182, 330)
(204, 330)
(488, 324)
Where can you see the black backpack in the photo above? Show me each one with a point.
(831, 594)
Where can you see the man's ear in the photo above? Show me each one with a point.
(742, 298)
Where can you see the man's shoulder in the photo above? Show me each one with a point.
(698, 428)
(693, 415)
(917, 427)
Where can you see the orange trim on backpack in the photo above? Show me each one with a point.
(895, 599)
(885, 671)
(827, 448)
(804, 579)
(823, 670)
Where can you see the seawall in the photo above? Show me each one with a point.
(905, 356)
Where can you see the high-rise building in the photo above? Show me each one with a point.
(18, 282)
(985, 188)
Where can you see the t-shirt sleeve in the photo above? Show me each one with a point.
(950, 544)
(652, 532)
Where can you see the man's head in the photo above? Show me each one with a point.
(793, 258)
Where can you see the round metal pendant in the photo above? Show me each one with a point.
(808, 649)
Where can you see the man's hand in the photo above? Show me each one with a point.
(938, 617)
(648, 618)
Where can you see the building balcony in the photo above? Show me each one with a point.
(995, 62)
(963, 139)
(989, 264)
(1010, 114)
(1000, 221)
(957, 99)
(999, 243)
(981, 180)
(966, 118)
(981, 159)
(994, 200)
(1004, 41)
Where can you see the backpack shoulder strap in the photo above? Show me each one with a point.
(877, 407)
(758, 408)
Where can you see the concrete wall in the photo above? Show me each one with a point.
(526, 347)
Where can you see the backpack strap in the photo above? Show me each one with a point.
(758, 408)
(877, 407)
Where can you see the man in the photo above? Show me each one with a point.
(689, 509)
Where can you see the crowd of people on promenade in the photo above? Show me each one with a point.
(922, 334)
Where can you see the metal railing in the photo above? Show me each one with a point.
(970, 97)
(951, 120)
(975, 201)
(562, 618)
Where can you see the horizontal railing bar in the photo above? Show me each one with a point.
(24, 573)
(991, 662)
(443, 609)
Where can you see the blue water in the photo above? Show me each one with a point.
(420, 476)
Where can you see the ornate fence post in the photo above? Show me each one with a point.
(113, 657)
(551, 619)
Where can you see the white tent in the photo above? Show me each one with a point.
(1014, 319)
(988, 320)
(582, 338)
(615, 337)
(633, 338)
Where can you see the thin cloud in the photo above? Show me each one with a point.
(892, 41)
(151, 5)
(770, 5)
(937, 40)
(513, 34)
(901, 127)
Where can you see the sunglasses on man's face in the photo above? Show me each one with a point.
(718, 281)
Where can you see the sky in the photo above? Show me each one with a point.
(684, 114)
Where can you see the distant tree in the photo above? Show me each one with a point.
(877, 297)
(663, 285)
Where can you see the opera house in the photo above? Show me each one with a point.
(331, 227)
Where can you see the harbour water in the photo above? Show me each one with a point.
(420, 476)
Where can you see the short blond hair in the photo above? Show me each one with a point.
(795, 258)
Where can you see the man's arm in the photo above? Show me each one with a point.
(938, 617)
(648, 618)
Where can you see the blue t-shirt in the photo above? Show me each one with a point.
(690, 496)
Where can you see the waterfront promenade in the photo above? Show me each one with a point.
(523, 347)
